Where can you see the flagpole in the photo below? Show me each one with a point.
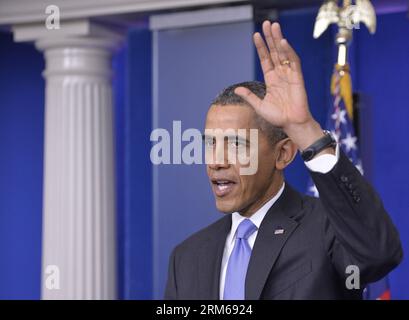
(347, 17)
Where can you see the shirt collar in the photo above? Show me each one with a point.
(256, 218)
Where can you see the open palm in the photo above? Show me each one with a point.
(285, 102)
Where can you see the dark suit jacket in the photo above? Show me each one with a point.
(348, 225)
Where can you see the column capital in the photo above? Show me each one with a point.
(72, 33)
(79, 47)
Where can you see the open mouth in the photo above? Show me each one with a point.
(222, 187)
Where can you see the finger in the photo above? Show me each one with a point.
(277, 36)
(263, 54)
(248, 96)
(270, 42)
(291, 55)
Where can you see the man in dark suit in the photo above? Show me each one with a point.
(275, 243)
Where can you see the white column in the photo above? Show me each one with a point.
(79, 247)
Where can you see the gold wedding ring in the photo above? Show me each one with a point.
(285, 62)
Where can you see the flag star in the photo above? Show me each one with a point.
(314, 190)
(340, 115)
(349, 142)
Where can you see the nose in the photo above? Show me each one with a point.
(217, 158)
(218, 166)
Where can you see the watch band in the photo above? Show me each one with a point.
(325, 142)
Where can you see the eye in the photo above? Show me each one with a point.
(209, 142)
(237, 143)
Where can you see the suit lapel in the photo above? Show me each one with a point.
(270, 240)
(210, 260)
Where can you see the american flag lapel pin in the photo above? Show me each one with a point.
(279, 230)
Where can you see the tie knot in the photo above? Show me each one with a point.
(245, 229)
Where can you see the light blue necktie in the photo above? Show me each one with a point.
(238, 262)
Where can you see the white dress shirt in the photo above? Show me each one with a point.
(323, 163)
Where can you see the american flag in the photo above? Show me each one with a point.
(339, 122)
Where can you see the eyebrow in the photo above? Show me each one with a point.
(235, 137)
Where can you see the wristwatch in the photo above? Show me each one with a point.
(325, 142)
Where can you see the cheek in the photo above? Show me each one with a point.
(266, 161)
(248, 186)
(253, 184)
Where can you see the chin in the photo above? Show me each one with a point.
(225, 207)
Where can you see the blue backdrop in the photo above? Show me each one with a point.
(21, 168)
(148, 208)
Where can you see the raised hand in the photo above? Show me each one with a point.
(285, 104)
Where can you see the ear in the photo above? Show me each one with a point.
(286, 151)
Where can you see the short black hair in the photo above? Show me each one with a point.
(228, 97)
